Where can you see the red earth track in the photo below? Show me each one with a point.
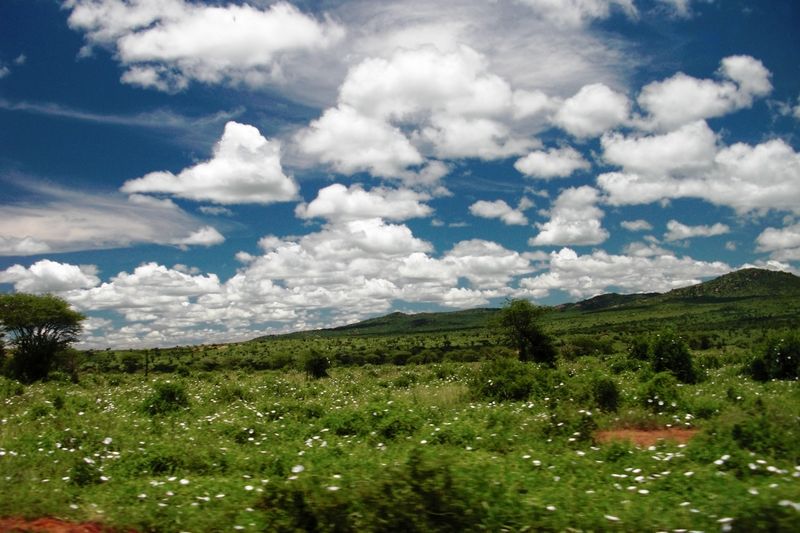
(52, 525)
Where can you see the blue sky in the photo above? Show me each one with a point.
(188, 171)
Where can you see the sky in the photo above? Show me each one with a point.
(188, 172)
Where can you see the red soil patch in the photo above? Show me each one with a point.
(646, 437)
(50, 525)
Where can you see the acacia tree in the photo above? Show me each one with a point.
(38, 327)
(519, 322)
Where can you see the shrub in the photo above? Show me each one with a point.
(316, 365)
(166, 397)
(639, 348)
(780, 359)
(661, 392)
(504, 379)
(671, 354)
(605, 393)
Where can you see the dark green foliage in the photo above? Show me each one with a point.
(660, 393)
(639, 348)
(167, 397)
(506, 378)
(605, 393)
(780, 358)
(39, 327)
(519, 322)
(671, 354)
(316, 365)
(422, 494)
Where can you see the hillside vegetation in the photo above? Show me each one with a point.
(428, 423)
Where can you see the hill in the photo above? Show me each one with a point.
(741, 299)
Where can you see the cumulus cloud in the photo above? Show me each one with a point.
(574, 219)
(582, 276)
(684, 151)
(63, 221)
(682, 99)
(50, 276)
(499, 209)
(553, 163)
(594, 109)
(205, 236)
(782, 243)
(677, 231)
(352, 142)
(395, 112)
(167, 44)
(636, 225)
(339, 203)
(579, 12)
(746, 178)
(245, 168)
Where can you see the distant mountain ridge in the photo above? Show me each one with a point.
(750, 286)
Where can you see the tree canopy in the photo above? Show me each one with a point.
(519, 322)
(38, 327)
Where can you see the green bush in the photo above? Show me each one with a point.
(661, 393)
(780, 359)
(639, 348)
(671, 354)
(167, 397)
(316, 365)
(504, 379)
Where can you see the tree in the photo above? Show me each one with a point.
(519, 322)
(38, 328)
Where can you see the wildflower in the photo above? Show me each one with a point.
(248, 487)
(296, 469)
(107, 441)
(333, 488)
(612, 518)
(551, 507)
(184, 481)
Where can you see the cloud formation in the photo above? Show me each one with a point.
(167, 44)
(574, 219)
(553, 163)
(245, 168)
(678, 232)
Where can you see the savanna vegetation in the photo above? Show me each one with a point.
(441, 430)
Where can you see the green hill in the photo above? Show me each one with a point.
(743, 299)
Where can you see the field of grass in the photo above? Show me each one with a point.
(413, 448)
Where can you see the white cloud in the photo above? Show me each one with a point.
(339, 203)
(782, 243)
(166, 44)
(553, 163)
(579, 12)
(682, 99)
(63, 221)
(636, 225)
(23, 246)
(746, 178)
(574, 219)
(684, 151)
(352, 142)
(592, 111)
(4, 71)
(588, 275)
(677, 231)
(49, 276)
(245, 168)
(643, 249)
(499, 209)
(205, 236)
(215, 210)
(419, 102)
(678, 8)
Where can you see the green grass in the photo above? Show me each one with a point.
(413, 448)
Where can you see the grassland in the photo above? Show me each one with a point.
(420, 430)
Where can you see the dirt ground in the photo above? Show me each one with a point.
(646, 437)
(50, 525)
